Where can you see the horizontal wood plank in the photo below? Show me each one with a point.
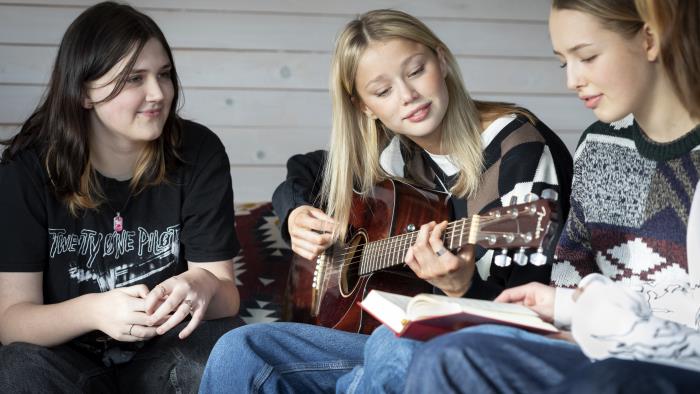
(252, 108)
(255, 183)
(274, 32)
(530, 10)
(274, 146)
(307, 71)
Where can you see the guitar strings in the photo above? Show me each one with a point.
(466, 228)
(356, 258)
(399, 245)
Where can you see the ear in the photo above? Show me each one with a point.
(87, 102)
(652, 42)
(441, 59)
(360, 105)
(369, 112)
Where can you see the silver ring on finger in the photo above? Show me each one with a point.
(189, 304)
(441, 251)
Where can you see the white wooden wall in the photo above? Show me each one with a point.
(255, 71)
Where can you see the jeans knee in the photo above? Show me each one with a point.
(20, 361)
(386, 348)
(451, 348)
(234, 343)
(22, 357)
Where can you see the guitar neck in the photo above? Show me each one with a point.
(521, 225)
(390, 252)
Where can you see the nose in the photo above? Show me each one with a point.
(154, 92)
(408, 93)
(574, 78)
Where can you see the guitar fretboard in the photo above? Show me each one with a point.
(390, 252)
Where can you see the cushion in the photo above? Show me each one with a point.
(262, 265)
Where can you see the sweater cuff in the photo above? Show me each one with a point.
(563, 307)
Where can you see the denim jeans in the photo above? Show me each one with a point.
(615, 376)
(166, 364)
(492, 359)
(300, 358)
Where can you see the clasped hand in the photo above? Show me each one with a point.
(134, 313)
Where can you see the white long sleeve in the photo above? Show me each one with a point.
(611, 320)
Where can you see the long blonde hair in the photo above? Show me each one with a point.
(357, 140)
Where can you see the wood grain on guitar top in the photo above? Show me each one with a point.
(392, 209)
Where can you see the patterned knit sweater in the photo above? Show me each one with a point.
(629, 223)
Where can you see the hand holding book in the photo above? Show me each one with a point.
(536, 296)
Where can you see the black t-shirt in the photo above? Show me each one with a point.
(188, 218)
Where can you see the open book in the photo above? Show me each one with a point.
(427, 315)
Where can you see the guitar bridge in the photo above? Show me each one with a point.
(316, 286)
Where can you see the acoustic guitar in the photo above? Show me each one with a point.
(383, 226)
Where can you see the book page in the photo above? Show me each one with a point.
(431, 305)
(389, 308)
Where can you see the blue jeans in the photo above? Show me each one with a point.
(492, 359)
(615, 376)
(300, 358)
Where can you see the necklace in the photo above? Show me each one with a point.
(118, 220)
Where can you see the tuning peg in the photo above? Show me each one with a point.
(502, 260)
(538, 258)
(519, 257)
(530, 197)
(550, 194)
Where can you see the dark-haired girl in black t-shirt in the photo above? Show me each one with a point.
(117, 233)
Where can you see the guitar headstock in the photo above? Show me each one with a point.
(522, 225)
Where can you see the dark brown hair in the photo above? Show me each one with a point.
(94, 43)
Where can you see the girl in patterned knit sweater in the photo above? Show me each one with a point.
(631, 242)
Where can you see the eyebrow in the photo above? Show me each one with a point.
(574, 49)
(403, 63)
(164, 67)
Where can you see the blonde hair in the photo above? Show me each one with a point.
(620, 16)
(357, 140)
(676, 22)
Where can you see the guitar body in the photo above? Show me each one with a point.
(394, 208)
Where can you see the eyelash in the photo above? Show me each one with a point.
(412, 74)
(383, 93)
(417, 71)
(586, 60)
(138, 78)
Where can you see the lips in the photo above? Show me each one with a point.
(419, 113)
(591, 101)
(151, 113)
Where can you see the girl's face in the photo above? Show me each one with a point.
(402, 83)
(138, 113)
(610, 72)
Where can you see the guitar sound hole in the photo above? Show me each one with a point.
(350, 266)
